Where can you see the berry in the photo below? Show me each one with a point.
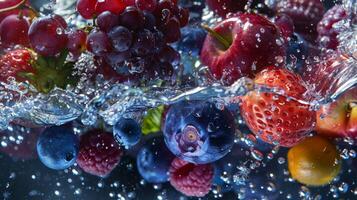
(154, 160)
(238, 47)
(98, 154)
(121, 38)
(314, 162)
(171, 30)
(25, 65)
(143, 43)
(107, 20)
(57, 147)
(13, 31)
(191, 41)
(15, 62)
(326, 27)
(194, 131)
(190, 179)
(47, 35)
(274, 118)
(127, 132)
(304, 13)
(86, 8)
(98, 43)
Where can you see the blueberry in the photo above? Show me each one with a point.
(192, 39)
(127, 132)
(297, 50)
(199, 132)
(154, 160)
(57, 147)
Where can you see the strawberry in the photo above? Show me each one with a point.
(275, 118)
(44, 73)
(14, 62)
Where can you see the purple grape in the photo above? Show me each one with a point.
(98, 43)
(169, 55)
(144, 43)
(132, 18)
(121, 38)
(171, 30)
(150, 21)
(107, 20)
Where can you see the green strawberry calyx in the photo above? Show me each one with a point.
(50, 72)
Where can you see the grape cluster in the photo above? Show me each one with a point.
(135, 43)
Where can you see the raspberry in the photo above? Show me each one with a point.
(99, 154)
(305, 14)
(190, 179)
(325, 28)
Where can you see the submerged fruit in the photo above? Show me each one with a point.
(315, 161)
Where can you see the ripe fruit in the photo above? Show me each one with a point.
(98, 154)
(127, 132)
(47, 35)
(57, 147)
(339, 118)
(13, 31)
(223, 7)
(76, 42)
(14, 63)
(43, 73)
(154, 160)
(327, 32)
(194, 131)
(305, 14)
(275, 118)
(242, 47)
(314, 161)
(190, 179)
(86, 8)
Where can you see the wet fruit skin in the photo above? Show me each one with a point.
(57, 147)
(247, 53)
(314, 162)
(191, 179)
(223, 7)
(327, 33)
(13, 31)
(127, 132)
(154, 160)
(195, 133)
(273, 117)
(339, 118)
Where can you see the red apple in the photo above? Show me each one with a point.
(339, 119)
(242, 46)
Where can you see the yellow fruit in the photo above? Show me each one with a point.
(314, 162)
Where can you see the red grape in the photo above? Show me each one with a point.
(121, 38)
(13, 31)
(76, 41)
(114, 6)
(148, 5)
(86, 8)
(98, 43)
(47, 35)
(107, 20)
(169, 55)
(184, 15)
(172, 30)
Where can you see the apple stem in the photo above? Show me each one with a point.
(216, 35)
